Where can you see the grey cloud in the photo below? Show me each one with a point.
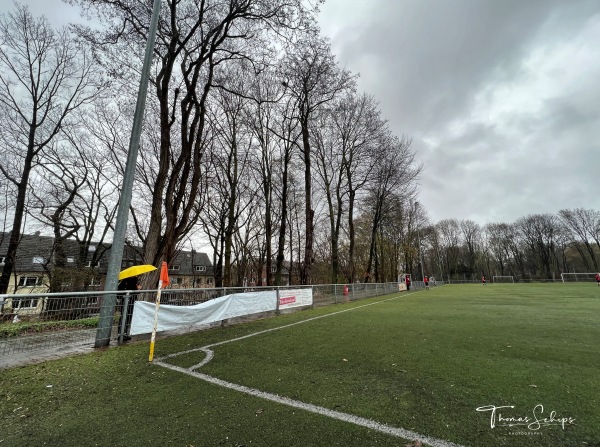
(430, 63)
(430, 57)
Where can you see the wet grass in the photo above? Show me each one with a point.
(423, 362)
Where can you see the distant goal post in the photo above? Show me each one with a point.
(503, 279)
(572, 277)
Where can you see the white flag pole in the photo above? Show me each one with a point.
(164, 279)
(155, 325)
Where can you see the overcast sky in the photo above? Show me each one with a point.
(500, 97)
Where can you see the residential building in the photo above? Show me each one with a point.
(85, 269)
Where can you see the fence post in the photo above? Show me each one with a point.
(224, 322)
(123, 317)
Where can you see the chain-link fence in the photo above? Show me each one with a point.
(38, 322)
(325, 294)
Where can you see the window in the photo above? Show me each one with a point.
(2, 260)
(200, 268)
(38, 260)
(28, 281)
(90, 264)
(91, 248)
(70, 259)
(175, 267)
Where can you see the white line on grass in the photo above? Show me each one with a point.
(357, 420)
(345, 417)
(205, 348)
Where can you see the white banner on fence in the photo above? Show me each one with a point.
(178, 317)
(295, 298)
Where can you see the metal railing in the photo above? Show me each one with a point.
(39, 322)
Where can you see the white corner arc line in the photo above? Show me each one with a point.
(345, 417)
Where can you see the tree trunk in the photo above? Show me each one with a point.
(15, 235)
(306, 275)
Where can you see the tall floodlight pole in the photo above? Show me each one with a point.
(116, 253)
(419, 240)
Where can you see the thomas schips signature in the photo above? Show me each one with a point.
(535, 421)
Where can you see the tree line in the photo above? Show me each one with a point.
(537, 246)
(255, 139)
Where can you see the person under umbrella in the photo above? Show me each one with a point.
(130, 285)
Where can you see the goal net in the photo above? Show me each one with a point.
(501, 279)
(572, 277)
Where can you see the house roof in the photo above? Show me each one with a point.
(35, 250)
(188, 260)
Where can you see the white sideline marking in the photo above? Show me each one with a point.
(204, 348)
(363, 422)
(345, 417)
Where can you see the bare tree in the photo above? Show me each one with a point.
(275, 135)
(313, 78)
(471, 235)
(286, 130)
(229, 165)
(583, 225)
(540, 232)
(75, 196)
(450, 241)
(63, 175)
(395, 177)
(194, 41)
(330, 171)
(345, 136)
(44, 76)
(498, 246)
(360, 128)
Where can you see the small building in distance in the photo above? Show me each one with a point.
(84, 269)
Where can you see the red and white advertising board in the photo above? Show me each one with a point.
(295, 298)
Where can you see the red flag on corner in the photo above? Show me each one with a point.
(164, 274)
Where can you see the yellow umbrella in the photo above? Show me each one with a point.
(135, 271)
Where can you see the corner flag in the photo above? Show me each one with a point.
(162, 282)
(164, 275)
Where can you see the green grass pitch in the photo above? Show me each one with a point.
(424, 362)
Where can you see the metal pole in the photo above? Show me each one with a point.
(124, 317)
(419, 240)
(116, 253)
